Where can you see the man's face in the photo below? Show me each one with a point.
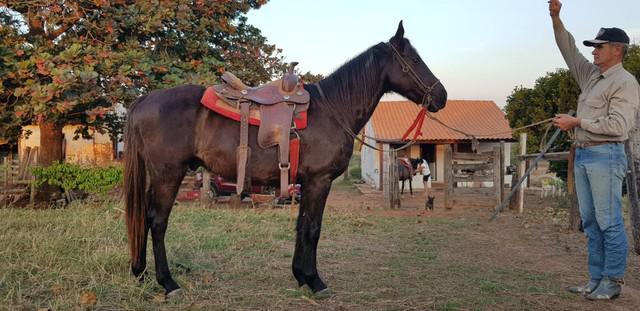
(605, 54)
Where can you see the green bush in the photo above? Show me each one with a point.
(93, 180)
(355, 172)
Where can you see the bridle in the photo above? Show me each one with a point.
(427, 101)
(427, 98)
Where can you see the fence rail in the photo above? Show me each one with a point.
(16, 180)
(476, 169)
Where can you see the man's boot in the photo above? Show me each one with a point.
(584, 289)
(608, 289)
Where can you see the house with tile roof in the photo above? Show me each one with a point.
(456, 125)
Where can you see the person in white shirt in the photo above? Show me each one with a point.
(426, 175)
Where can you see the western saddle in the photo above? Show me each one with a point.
(277, 101)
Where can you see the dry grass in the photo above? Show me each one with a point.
(239, 259)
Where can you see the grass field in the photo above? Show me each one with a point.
(239, 259)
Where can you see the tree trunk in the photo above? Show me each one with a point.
(51, 138)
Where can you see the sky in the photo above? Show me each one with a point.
(480, 49)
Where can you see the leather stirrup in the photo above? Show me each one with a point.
(243, 151)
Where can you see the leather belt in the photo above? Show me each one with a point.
(588, 144)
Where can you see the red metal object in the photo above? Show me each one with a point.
(221, 187)
(225, 187)
(190, 195)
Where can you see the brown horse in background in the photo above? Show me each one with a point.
(407, 168)
(169, 131)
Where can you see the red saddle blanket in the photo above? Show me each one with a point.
(213, 102)
(406, 163)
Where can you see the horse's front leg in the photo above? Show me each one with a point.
(410, 186)
(314, 197)
(402, 191)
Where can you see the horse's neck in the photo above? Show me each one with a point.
(355, 101)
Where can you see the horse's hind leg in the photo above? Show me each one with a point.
(164, 194)
(402, 191)
(308, 233)
(139, 269)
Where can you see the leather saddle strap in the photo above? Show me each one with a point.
(243, 151)
(283, 153)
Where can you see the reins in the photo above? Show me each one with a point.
(427, 101)
(348, 130)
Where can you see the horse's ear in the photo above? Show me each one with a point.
(400, 32)
(398, 39)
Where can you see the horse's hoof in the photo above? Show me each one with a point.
(174, 293)
(142, 278)
(306, 289)
(324, 294)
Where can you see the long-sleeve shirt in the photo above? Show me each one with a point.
(608, 101)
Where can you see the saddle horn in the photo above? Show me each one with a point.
(290, 79)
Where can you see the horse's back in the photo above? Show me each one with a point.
(165, 102)
(166, 109)
(165, 119)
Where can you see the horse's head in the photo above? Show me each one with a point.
(410, 77)
(415, 163)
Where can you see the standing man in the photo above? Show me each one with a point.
(606, 111)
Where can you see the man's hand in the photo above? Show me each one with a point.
(554, 7)
(566, 122)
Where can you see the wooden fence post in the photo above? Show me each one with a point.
(497, 172)
(574, 211)
(633, 159)
(522, 167)
(394, 191)
(502, 170)
(513, 203)
(632, 148)
(206, 187)
(384, 164)
(448, 177)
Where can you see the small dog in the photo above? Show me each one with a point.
(429, 204)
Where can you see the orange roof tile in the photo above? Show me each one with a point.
(482, 118)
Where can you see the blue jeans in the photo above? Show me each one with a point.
(599, 171)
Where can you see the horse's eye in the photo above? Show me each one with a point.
(416, 60)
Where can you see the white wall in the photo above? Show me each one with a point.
(370, 160)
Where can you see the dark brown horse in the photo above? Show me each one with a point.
(407, 168)
(169, 131)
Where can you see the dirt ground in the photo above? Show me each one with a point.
(538, 238)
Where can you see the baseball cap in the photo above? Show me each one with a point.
(608, 35)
